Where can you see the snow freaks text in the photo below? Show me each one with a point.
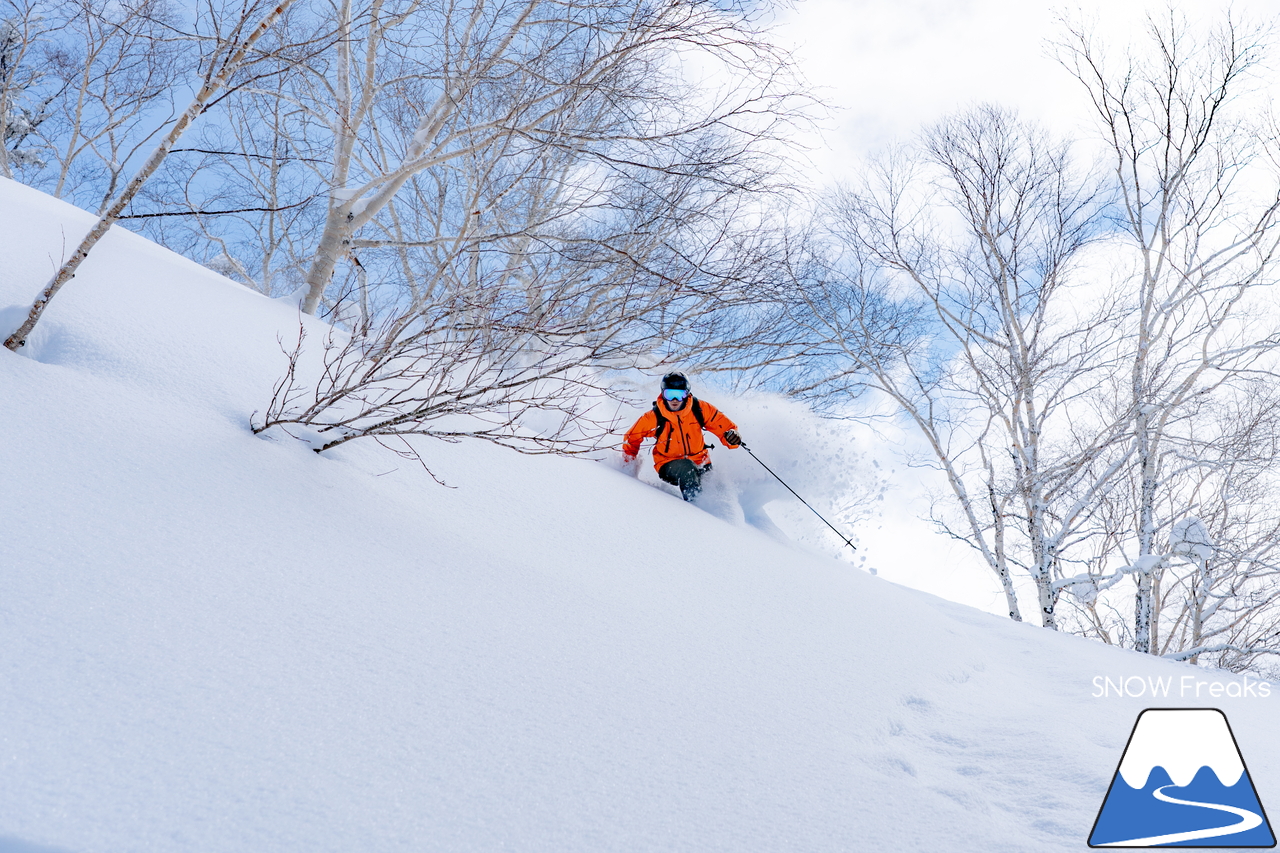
(1185, 687)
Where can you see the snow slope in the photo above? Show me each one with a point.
(211, 641)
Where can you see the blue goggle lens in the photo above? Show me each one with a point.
(675, 394)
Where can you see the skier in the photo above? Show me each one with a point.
(676, 422)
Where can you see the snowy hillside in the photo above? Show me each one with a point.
(215, 642)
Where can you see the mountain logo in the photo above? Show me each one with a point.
(1182, 783)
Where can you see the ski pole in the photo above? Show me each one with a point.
(802, 500)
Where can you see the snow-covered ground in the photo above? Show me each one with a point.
(211, 641)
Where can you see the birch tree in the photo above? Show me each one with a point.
(1217, 538)
(1076, 433)
(22, 103)
(570, 200)
(1218, 597)
(522, 320)
(111, 67)
(411, 90)
(1197, 209)
(242, 197)
(230, 49)
(974, 235)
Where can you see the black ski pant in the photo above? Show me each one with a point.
(685, 474)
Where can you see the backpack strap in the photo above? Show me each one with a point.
(697, 413)
(662, 423)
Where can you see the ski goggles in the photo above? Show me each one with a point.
(675, 393)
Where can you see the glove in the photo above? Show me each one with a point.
(630, 464)
(732, 438)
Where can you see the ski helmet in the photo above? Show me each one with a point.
(675, 381)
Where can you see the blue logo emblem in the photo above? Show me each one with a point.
(1182, 783)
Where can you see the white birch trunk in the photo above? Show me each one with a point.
(108, 218)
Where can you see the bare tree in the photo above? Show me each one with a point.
(974, 235)
(508, 376)
(23, 107)
(1086, 432)
(112, 64)
(517, 322)
(1216, 540)
(243, 197)
(1219, 595)
(1097, 414)
(409, 91)
(1198, 211)
(568, 202)
(230, 51)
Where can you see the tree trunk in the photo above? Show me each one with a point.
(1142, 606)
(104, 223)
(335, 239)
(335, 242)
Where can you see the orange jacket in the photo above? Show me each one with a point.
(681, 437)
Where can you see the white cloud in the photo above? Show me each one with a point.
(890, 66)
